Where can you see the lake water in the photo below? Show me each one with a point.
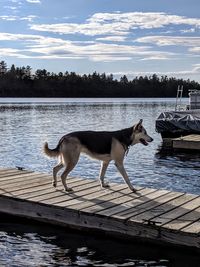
(25, 124)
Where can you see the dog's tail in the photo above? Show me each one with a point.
(51, 152)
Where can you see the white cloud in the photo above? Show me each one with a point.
(196, 68)
(10, 7)
(10, 52)
(107, 58)
(8, 18)
(182, 73)
(156, 57)
(85, 29)
(192, 43)
(192, 30)
(29, 18)
(112, 38)
(120, 24)
(113, 28)
(42, 46)
(170, 40)
(34, 1)
(195, 50)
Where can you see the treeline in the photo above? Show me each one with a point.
(21, 82)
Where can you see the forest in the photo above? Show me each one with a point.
(22, 82)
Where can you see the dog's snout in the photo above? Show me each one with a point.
(151, 139)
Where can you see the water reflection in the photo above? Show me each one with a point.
(25, 244)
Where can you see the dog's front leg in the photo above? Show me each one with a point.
(120, 167)
(104, 166)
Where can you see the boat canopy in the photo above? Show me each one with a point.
(179, 121)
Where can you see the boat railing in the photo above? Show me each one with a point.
(179, 98)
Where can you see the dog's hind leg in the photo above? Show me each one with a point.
(120, 167)
(104, 166)
(70, 161)
(55, 171)
(70, 152)
(64, 175)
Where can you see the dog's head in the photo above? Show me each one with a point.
(140, 135)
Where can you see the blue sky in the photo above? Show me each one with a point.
(131, 37)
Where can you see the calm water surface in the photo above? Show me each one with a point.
(25, 124)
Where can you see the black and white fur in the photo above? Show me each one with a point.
(101, 145)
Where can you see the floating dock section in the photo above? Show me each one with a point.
(150, 214)
(188, 142)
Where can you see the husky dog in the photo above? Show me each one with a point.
(101, 145)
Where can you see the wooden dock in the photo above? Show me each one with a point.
(189, 142)
(150, 214)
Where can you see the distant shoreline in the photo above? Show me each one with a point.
(21, 82)
(88, 101)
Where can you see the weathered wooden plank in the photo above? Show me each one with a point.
(23, 180)
(73, 198)
(191, 221)
(15, 192)
(110, 193)
(41, 189)
(168, 220)
(155, 202)
(144, 198)
(193, 228)
(126, 205)
(20, 178)
(7, 171)
(75, 185)
(26, 184)
(185, 221)
(158, 214)
(36, 187)
(87, 196)
(113, 191)
(93, 197)
(54, 197)
(109, 203)
(10, 175)
(105, 200)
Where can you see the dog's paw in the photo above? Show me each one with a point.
(105, 185)
(54, 184)
(134, 190)
(68, 189)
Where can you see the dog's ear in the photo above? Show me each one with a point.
(138, 126)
